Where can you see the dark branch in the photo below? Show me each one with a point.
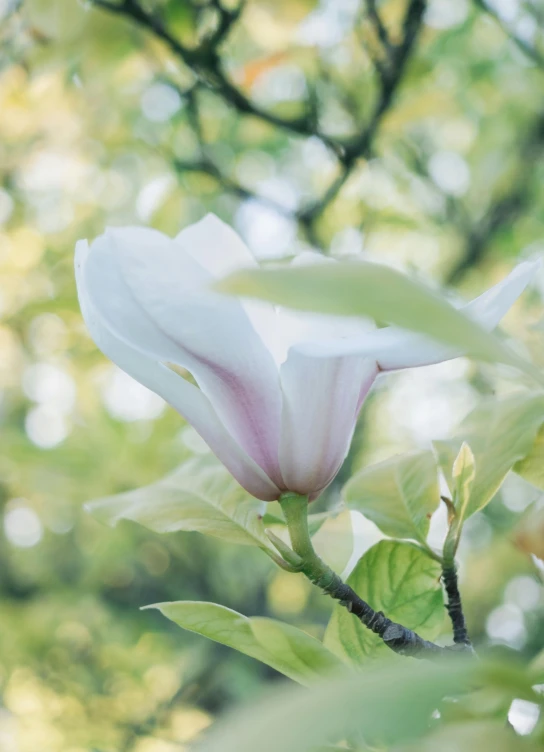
(360, 146)
(303, 558)
(397, 637)
(207, 65)
(454, 606)
(205, 62)
(376, 19)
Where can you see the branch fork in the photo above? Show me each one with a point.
(302, 557)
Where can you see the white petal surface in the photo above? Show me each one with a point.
(321, 400)
(187, 399)
(155, 297)
(216, 246)
(395, 348)
(221, 251)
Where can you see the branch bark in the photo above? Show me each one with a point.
(398, 638)
(454, 606)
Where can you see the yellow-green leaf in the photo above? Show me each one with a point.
(282, 646)
(398, 495)
(358, 288)
(500, 433)
(200, 495)
(463, 473)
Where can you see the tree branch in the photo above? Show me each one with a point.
(205, 62)
(397, 637)
(360, 146)
(454, 606)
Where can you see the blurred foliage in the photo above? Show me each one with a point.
(414, 137)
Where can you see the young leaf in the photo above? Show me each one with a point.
(200, 495)
(392, 704)
(463, 473)
(398, 495)
(398, 579)
(499, 432)
(282, 646)
(364, 289)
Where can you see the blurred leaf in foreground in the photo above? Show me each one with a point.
(393, 704)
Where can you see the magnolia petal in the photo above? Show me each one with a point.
(394, 348)
(220, 250)
(154, 296)
(184, 397)
(216, 246)
(321, 400)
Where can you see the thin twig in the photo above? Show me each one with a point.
(360, 146)
(205, 62)
(381, 31)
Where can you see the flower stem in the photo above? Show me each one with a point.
(398, 638)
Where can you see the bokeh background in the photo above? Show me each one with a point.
(416, 142)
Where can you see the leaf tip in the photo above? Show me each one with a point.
(464, 461)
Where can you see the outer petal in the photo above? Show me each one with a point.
(215, 246)
(155, 297)
(395, 348)
(187, 399)
(220, 250)
(321, 400)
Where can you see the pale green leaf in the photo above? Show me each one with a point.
(391, 704)
(360, 288)
(398, 579)
(200, 495)
(531, 467)
(463, 473)
(333, 539)
(282, 646)
(398, 495)
(499, 433)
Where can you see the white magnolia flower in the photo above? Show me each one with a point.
(278, 393)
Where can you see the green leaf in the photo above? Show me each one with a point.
(282, 646)
(531, 467)
(499, 433)
(463, 473)
(390, 703)
(364, 289)
(398, 579)
(398, 495)
(333, 539)
(200, 495)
